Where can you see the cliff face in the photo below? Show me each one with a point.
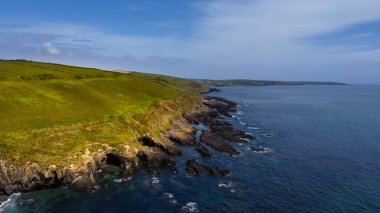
(81, 173)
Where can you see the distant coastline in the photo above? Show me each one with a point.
(242, 82)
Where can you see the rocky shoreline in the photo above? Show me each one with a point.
(156, 151)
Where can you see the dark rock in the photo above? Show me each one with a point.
(222, 105)
(222, 128)
(203, 150)
(257, 149)
(215, 122)
(231, 134)
(218, 143)
(154, 158)
(210, 90)
(3, 198)
(199, 115)
(165, 147)
(184, 137)
(193, 167)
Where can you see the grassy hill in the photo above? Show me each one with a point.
(50, 111)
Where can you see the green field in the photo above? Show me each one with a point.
(50, 111)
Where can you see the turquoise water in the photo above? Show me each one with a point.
(324, 156)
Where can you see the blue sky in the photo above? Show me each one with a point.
(327, 40)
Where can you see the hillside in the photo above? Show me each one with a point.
(50, 112)
(243, 82)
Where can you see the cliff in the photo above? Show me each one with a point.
(60, 125)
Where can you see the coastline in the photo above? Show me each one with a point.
(156, 151)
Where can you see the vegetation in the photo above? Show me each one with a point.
(49, 112)
(243, 82)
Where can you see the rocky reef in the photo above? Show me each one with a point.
(155, 151)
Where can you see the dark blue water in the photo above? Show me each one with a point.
(324, 156)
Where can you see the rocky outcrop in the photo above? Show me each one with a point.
(210, 90)
(231, 134)
(3, 198)
(182, 133)
(222, 105)
(203, 150)
(81, 177)
(153, 157)
(193, 167)
(162, 143)
(218, 143)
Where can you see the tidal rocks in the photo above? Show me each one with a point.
(203, 150)
(257, 149)
(166, 146)
(199, 115)
(222, 105)
(210, 90)
(154, 157)
(183, 134)
(218, 143)
(193, 167)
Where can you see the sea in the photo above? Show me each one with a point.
(322, 154)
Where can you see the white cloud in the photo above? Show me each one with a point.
(50, 49)
(261, 39)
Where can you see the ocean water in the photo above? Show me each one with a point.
(323, 155)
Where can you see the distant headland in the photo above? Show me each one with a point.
(244, 82)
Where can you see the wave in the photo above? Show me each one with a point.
(253, 128)
(190, 207)
(11, 202)
(155, 180)
(226, 184)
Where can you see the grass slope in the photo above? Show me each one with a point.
(50, 111)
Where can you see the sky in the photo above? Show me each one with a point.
(324, 40)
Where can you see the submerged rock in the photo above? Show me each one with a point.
(218, 143)
(260, 149)
(203, 150)
(193, 167)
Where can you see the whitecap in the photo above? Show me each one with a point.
(190, 207)
(11, 202)
(171, 198)
(169, 195)
(226, 184)
(155, 180)
(253, 128)
(118, 180)
(243, 123)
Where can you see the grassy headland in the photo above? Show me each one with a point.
(49, 112)
(245, 82)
